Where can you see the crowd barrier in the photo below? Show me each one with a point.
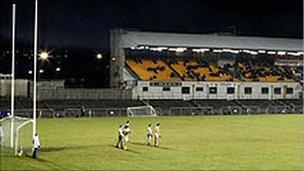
(173, 111)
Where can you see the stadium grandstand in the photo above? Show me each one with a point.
(181, 74)
(147, 56)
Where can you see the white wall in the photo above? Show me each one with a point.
(48, 90)
(156, 92)
(21, 87)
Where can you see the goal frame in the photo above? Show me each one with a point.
(12, 105)
(12, 75)
(15, 133)
(18, 134)
(130, 113)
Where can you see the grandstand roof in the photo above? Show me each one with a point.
(135, 38)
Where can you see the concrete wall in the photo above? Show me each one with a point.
(48, 90)
(21, 87)
(55, 90)
(155, 90)
(117, 58)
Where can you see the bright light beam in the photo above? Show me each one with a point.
(44, 55)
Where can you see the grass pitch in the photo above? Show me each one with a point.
(269, 142)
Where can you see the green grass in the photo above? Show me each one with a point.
(261, 142)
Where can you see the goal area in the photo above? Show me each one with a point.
(16, 132)
(21, 130)
(144, 111)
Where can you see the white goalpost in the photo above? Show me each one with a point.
(19, 131)
(35, 68)
(141, 111)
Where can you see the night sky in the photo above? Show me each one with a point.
(86, 23)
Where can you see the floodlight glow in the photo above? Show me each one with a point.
(179, 49)
(253, 52)
(295, 53)
(58, 69)
(41, 71)
(246, 51)
(271, 52)
(217, 50)
(226, 50)
(30, 72)
(155, 49)
(231, 51)
(99, 56)
(44, 55)
(235, 51)
(140, 47)
(159, 49)
(197, 50)
(200, 50)
(281, 53)
(261, 51)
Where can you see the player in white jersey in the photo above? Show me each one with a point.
(120, 137)
(150, 134)
(157, 134)
(36, 144)
(126, 133)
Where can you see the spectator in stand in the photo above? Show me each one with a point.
(90, 112)
(82, 111)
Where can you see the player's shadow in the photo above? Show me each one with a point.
(54, 149)
(129, 150)
(164, 148)
(45, 161)
(140, 144)
(152, 146)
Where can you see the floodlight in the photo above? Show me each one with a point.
(179, 49)
(44, 55)
(262, 51)
(281, 53)
(99, 56)
(271, 52)
(200, 50)
(217, 50)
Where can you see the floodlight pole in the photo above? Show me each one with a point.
(13, 75)
(35, 68)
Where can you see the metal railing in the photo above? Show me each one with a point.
(41, 112)
(173, 111)
(95, 112)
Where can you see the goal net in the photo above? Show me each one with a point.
(141, 111)
(21, 143)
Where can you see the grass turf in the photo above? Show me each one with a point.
(269, 142)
